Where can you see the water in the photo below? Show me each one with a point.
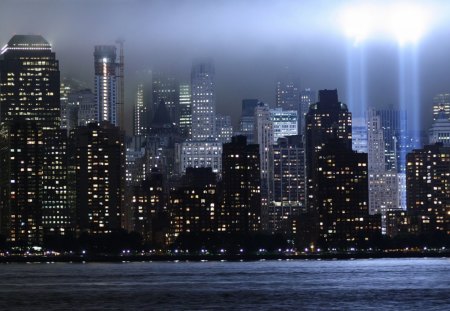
(377, 284)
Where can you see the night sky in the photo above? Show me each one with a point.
(251, 42)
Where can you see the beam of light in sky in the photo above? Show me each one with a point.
(405, 22)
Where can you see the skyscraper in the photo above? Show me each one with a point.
(224, 129)
(284, 123)
(263, 136)
(30, 108)
(440, 130)
(185, 110)
(327, 119)
(307, 98)
(106, 88)
(247, 122)
(203, 100)
(441, 104)
(166, 88)
(30, 82)
(287, 95)
(86, 108)
(139, 112)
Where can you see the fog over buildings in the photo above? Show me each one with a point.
(251, 42)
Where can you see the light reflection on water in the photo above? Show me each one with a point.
(394, 284)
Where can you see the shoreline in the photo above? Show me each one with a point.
(232, 258)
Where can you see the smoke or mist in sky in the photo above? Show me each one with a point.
(251, 43)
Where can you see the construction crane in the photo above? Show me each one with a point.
(121, 77)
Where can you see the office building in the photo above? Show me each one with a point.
(167, 89)
(203, 96)
(185, 110)
(284, 122)
(247, 122)
(224, 129)
(441, 104)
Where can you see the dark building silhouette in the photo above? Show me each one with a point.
(288, 184)
(327, 119)
(167, 89)
(98, 160)
(428, 188)
(148, 201)
(342, 198)
(247, 122)
(240, 206)
(193, 204)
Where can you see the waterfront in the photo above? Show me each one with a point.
(393, 284)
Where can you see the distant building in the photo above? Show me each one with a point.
(185, 110)
(247, 122)
(224, 129)
(203, 96)
(167, 88)
(263, 136)
(307, 98)
(198, 154)
(287, 95)
(441, 104)
(240, 206)
(440, 130)
(285, 123)
(106, 88)
(86, 109)
(139, 112)
(359, 135)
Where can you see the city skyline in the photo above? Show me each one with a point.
(316, 50)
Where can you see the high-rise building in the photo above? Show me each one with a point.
(359, 135)
(203, 97)
(440, 130)
(263, 136)
(30, 109)
(247, 122)
(86, 108)
(327, 119)
(307, 98)
(139, 112)
(428, 188)
(441, 103)
(106, 88)
(98, 156)
(288, 188)
(240, 206)
(30, 82)
(383, 183)
(65, 90)
(198, 154)
(166, 88)
(287, 95)
(284, 123)
(224, 129)
(185, 110)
